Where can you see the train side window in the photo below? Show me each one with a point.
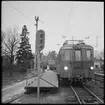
(58, 57)
(77, 55)
(88, 55)
(62, 54)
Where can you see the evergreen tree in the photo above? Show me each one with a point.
(24, 54)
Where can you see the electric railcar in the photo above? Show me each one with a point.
(75, 62)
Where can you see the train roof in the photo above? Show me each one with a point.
(78, 45)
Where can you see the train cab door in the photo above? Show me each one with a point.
(78, 63)
(77, 58)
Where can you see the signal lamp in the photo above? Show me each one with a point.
(91, 68)
(65, 68)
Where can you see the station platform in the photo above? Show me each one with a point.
(48, 79)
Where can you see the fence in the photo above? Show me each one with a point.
(99, 77)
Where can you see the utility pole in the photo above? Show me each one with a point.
(96, 41)
(72, 40)
(37, 59)
(35, 66)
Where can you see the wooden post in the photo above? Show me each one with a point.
(38, 90)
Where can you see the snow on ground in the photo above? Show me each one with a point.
(10, 91)
(8, 79)
(12, 95)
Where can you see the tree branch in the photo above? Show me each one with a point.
(7, 46)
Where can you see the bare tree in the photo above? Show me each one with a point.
(99, 54)
(10, 41)
(2, 36)
(102, 54)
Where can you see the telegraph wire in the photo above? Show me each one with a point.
(70, 13)
(67, 20)
(23, 13)
(41, 21)
(20, 12)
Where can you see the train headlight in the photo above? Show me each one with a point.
(65, 68)
(91, 68)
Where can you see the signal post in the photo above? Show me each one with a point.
(39, 45)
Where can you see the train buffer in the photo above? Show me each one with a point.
(48, 80)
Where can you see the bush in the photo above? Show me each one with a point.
(23, 70)
(8, 67)
(20, 68)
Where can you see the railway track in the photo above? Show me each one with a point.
(82, 94)
(85, 96)
(66, 94)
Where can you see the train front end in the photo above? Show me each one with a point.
(75, 62)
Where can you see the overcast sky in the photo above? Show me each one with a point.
(58, 18)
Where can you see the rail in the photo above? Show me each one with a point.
(82, 101)
(99, 100)
(76, 95)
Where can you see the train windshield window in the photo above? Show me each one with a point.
(88, 55)
(65, 55)
(77, 55)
